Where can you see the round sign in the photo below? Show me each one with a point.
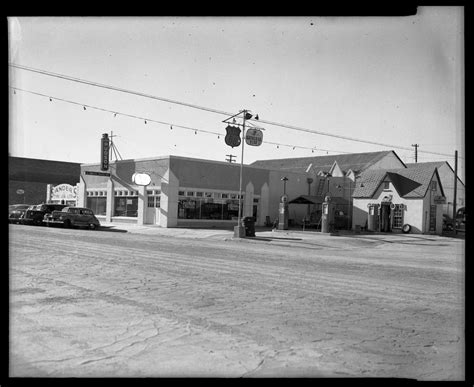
(20, 191)
(284, 198)
(141, 178)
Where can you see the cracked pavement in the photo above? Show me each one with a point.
(105, 304)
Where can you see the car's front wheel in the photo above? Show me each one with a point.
(92, 226)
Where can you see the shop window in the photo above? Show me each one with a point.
(199, 194)
(225, 196)
(208, 194)
(200, 209)
(180, 193)
(97, 204)
(153, 201)
(126, 206)
(398, 216)
(190, 193)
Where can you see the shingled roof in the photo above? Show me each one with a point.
(409, 182)
(353, 161)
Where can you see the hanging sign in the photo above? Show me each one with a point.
(141, 178)
(232, 138)
(254, 137)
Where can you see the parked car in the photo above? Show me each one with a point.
(35, 214)
(73, 217)
(460, 220)
(448, 224)
(16, 211)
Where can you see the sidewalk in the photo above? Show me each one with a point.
(343, 238)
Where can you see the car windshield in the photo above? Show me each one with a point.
(18, 207)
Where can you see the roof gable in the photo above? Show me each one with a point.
(354, 161)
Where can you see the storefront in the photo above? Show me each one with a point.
(184, 192)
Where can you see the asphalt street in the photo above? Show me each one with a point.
(159, 303)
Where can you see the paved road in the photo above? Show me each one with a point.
(97, 303)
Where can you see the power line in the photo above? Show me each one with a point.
(96, 84)
(171, 125)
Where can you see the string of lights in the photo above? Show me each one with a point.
(146, 120)
(287, 126)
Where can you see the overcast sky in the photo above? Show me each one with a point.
(392, 80)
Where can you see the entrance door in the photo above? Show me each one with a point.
(385, 217)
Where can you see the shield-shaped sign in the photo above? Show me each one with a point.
(232, 138)
(254, 137)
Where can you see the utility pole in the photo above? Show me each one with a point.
(230, 160)
(455, 185)
(416, 151)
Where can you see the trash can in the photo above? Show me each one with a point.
(249, 224)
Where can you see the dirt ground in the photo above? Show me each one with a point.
(119, 304)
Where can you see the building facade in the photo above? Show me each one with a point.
(446, 175)
(186, 192)
(409, 196)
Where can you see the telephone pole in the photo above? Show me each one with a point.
(416, 151)
(230, 159)
(455, 185)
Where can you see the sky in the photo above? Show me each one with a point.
(396, 81)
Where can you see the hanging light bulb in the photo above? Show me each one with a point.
(115, 115)
(233, 120)
(14, 91)
(171, 127)
(256, 117)
(145, 121)
(278, 146)
(312, 150)
(84, 108)
(195, 132)
(50, 99)
(294, 148)
(218, 136)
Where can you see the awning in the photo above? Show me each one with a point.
(307, 199)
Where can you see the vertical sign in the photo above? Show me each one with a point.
(104, 152)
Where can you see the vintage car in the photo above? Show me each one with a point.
(35, 214)
(16, 211)
(460, 220)
(73, 217)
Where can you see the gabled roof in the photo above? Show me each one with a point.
(354, 161)
(409, 182)
(437, 164)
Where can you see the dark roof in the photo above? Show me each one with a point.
(309, 199)
(354, 161)
(409, 182)
(43, 171)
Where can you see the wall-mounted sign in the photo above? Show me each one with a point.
(97, 173)
(20, 191)
(438, 199)
(232, 138)
(64, 192)
(140, 178)
(254, 137)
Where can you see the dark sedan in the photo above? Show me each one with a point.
(16, 212)
(35, 214)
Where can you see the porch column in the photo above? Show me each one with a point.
(142, 205)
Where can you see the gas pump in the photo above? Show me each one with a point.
(373, 217)
(283, 213)
(327, 216)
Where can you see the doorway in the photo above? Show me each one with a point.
(385, 213)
